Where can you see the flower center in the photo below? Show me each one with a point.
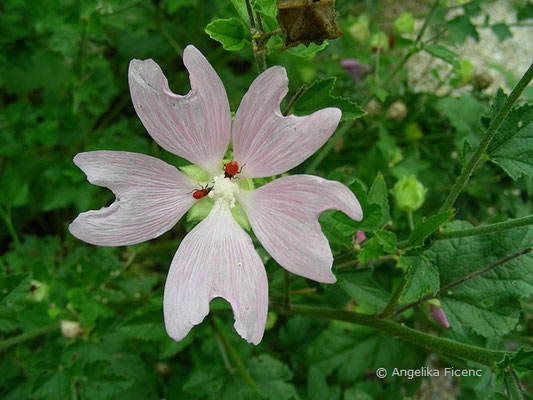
(224, 190)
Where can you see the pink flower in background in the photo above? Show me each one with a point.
(217, 258)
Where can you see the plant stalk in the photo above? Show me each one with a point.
(441, 345)
(467, 172)
(233, 355)
(23, 337)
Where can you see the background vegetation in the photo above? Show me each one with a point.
(427, 91)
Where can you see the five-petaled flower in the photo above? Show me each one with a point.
(217, 258)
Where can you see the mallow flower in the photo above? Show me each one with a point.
(217, 257)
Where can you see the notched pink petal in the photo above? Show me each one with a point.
(216, 259)
(284, 217)
(268, 143)
(196, 126)
(151, 196)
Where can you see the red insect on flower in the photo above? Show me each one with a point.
(231, 169)
(201, 193)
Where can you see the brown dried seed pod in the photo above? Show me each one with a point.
(306, 21)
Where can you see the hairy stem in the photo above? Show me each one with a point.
(296, 96)
(478, 230)
(6, 216)
(467, 171)
(514, 391)
(446, 288)
(233, 355)
(482, 230)
(441, 345)
(23, 337)
(286, 289)
(396, 296)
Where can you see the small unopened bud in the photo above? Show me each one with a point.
(438, 315)
(360, 235)
(360, 30)
(38, 291)
(397, 111)
(409, 193)
(482, 80)
(162, 368)
(373, 107)
(70, 329)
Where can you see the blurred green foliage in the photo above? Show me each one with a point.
(63, 90)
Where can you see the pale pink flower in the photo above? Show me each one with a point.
(217, 258)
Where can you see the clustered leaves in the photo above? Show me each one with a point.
(85, 322)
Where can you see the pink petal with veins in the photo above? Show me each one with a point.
(216, 259)
(284, 217)
(196, 126)
(265, 142)
(151, 196)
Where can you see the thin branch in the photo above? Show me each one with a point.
(294, 98)
(441, 345)
(467, 172)
(23, 337)
(474, 274)
(233, 354)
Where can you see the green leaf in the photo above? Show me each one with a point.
(426, 226)
(387, 240)
(55, 387)
(271, 376)
(378, 194)
(464, 114)
(14, 290)
(319, 96)
(318, 388)
(229, 32)
(148, 326)
(436, 50)
(13, 190)
(489, 304)
(364, 290)
(512, 146)
(205, 380)
(307, 51)
(422, 278)
(352, 353)
(460, 28)
(501, 31)
(521, 362)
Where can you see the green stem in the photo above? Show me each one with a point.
(6, 216)
(465, 351)
(415, 49)
(23, 337)
(286, 289)
(450, 286)
(296, 96)
(461, 182)
(396, 296)
(410, 220)
(233, 355)
(478, 230)
(512, 384)
(484, 229)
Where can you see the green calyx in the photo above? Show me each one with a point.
(409, 194)
(195, 173)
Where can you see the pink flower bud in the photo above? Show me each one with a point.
(438, 315)
(361, 237)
